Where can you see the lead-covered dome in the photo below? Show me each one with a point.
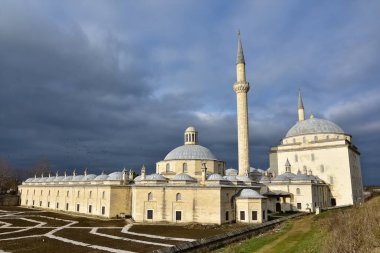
(190, 152)
(250, 194)
(314, 126)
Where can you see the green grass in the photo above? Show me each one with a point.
(257, 242)
(306, 236)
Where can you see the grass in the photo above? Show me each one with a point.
(355, 229)
(257, 242)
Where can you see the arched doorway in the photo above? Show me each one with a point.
(278, 207)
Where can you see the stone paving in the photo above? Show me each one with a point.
(33, 221)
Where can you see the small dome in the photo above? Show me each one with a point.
(243, 178)
(190, 129)
(43, 179)
(68, 178)
(138, 178)
(115, 176)
(215, 177)
(250, 194)
(78, 178)
(301, 177)
(230, 178)
(101, 177)
(285, 176)
(264, 179)
(49, 179)
(231, 172)
(183, 177)
(59, 178)
(155, 177)
(314, 126)
(190, 152)
(29, 180)
(89, 177)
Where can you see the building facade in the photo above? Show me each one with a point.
(315, 166)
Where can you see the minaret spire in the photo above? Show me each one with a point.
(241, 88)
(301, 111)
(240, 54)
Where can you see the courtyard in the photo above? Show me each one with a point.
(33, 230)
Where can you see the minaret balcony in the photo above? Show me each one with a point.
(240, 87)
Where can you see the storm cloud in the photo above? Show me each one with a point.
(113, 84)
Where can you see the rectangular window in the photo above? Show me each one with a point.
(227, 218)
(254, 215)
(40, 203)
(90, 208)
(77, 207)
(242, 215)
(299, 206)
(103, 210)
(33, 203)
(48, 204)
(27, 202)
(178, 215)
(67, 206)
(149, 214)
(57, 205)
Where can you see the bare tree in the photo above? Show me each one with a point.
(5, 175)
(41, 167)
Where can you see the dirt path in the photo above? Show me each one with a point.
(289, 239)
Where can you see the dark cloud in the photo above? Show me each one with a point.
(111, 84)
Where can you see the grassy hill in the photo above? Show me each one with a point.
(355, 229)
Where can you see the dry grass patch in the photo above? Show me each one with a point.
(43, 245)
(355, 229)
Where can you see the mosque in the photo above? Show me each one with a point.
(315, 166)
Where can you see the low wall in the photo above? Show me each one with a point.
(9, 200)
(214, 242)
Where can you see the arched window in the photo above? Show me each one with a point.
(315, 138)
(327, 137)
(103, 194)
(298, 191)
(78, 193)
(67, 193)
(178, 197)
(57, 193)
(184, 167)
(304, 139)
(294, 140)
(296, 158)
(312, 157)
(150, 196)
(90, 194)
(49, 193)
(167, 167)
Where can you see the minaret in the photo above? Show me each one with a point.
(301, 112)
(241, 87)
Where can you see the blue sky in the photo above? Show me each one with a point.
(113, 84)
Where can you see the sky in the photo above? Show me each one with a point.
(105, 85)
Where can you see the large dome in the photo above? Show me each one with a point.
(190, 152)
(314, 126)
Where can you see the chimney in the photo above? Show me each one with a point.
(204, 172)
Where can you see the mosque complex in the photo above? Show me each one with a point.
(315, 166)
